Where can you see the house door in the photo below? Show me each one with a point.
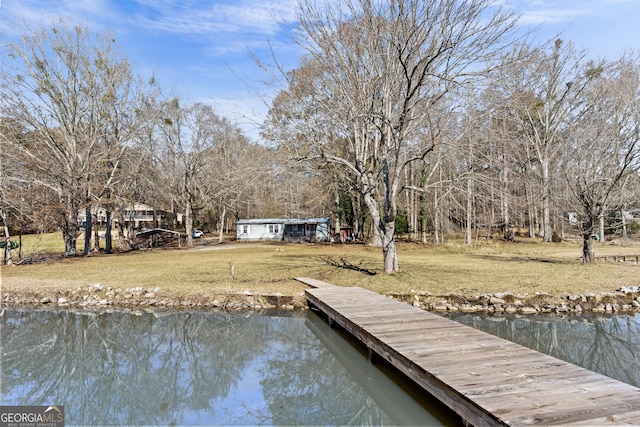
(310, 230)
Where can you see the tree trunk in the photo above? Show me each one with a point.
(422, 200)
(376, 239)
(546, 202)
(504, 199)
(601, 229)
(532, 221)
(222, 219)
(87, 231)
(423, 218)
(188, 223)
(358, 215)
(588, 253)
(121, 225)
(107, 233)
(468, 237)
(492, 212)
(410, 196)
(624, 224)
(530, 208)
(437, 229)
(69, 228)
(372, 205)
(70, 239)
(8, 260)
(336, 212)
(384, 232)
(389, 253)
(96, 234)
(154, 237)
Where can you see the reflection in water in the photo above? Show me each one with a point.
(609, 345)
(195, 368)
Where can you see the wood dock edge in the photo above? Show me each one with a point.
(598, 401)
(466, 409)
(314, 283)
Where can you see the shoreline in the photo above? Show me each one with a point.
(622, 301)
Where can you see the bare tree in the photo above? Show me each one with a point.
(13, 204)
(203, 160)
(383, 65)
(605, 145)
(545, 93)
(66, 87)
(236, 166)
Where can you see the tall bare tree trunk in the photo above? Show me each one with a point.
(588, 253)
(121, 228)
(222, 219)
(468, 237)
(358, 220)
(546, 201)
(601, 228)
(70, 235)
(188, 223)
(8, 259)
(336, 211)
(423, 217)
(96, 234)
(87, 231)
(390, 255)
(437, 229)
(107, 233)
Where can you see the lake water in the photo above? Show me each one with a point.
(201, 368)
(274, 368)
(609, 345)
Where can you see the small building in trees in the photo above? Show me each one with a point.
(286, 229)
(136, 215)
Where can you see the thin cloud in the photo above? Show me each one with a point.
(196, 19)
(535, 12)
(546, 16)
(96, 14)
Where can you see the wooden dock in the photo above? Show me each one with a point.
(485, 379)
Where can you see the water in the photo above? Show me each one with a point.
(609, 345)
(200, 368)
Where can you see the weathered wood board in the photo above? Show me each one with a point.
(485, 379)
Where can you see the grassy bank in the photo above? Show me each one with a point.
(525, 266)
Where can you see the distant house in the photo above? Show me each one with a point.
(572, 217)
(287, 229)
(139, 215)
(631, 214)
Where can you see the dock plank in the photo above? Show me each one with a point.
(485, 379)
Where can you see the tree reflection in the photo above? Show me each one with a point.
(124, 368)
(118, 368)
(310, 387)
(609, 345)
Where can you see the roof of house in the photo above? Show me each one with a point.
(282, 221)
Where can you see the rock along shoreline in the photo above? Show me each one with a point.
(624, 300)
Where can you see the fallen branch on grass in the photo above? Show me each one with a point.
(345, 264)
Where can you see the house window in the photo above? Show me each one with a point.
(245, 229)
(274, 228)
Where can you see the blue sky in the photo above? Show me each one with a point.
(201, 50)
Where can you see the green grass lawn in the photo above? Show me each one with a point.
(525, 266)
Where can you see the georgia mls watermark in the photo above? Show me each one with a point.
(31, 416)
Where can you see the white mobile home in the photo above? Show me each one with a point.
(287, 229)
